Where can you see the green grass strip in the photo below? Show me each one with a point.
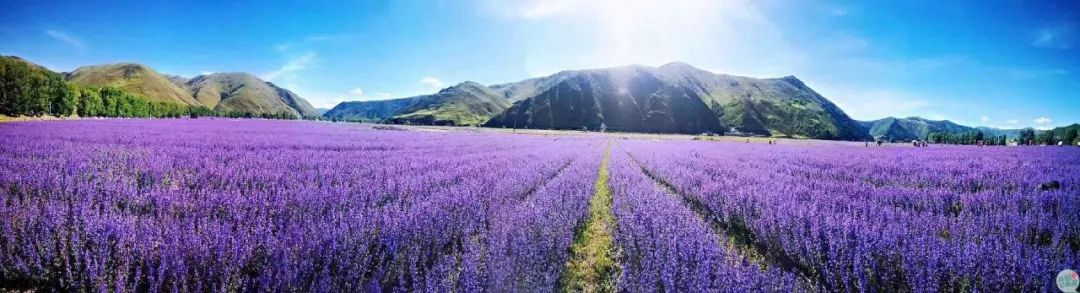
(592, 266)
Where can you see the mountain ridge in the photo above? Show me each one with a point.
(132, 77)
(771, 107)
(918, 128)
(228, 92)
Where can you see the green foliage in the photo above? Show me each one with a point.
(90, 103)
(29, 90)
(65, 102)
(1027, 136)
(1070, 136)
(966, 138)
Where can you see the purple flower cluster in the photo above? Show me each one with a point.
(220, 205)
(250, 205)
(666, 247)
(888, 219)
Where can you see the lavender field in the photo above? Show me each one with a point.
(259, 205)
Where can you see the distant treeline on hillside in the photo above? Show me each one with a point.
(1068, 135)
(27, 90)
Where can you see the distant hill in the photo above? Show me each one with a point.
(468, 103)
(631, 98)
(32, 65)
(368, 111)
(134, 78)
(176, 79)
(516, 91)
(675, 97)
(911, 128)
(226, 92)
(245, 92)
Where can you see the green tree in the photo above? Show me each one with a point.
(65, 100)
(110, 98)
(14, 82)
(1026, 135)
(90, 104)
(1070, 136)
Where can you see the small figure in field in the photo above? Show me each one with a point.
(747, 140)
(770, 142)
(867, 144)
(879, 143)
(915, 143)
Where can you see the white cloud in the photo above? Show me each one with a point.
(282, 47)
(1054, 37)
(66, 38)
(1043, 123)
(984, 119)
(295, 64)
(358, 92)
(1012, 122)
(206, 72)
(1043, 38)
(432, 82)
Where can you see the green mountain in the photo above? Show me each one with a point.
(468, 103)
(20, 60)
(225, 92)
(911, 128)
(528, 88)
(630, 98)
(674, 98)
(368, 111)
(244, 92)
(132, 78)
(28, 89)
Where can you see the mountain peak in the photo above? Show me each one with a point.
(469, 83)
(791, 79)
(680, 66)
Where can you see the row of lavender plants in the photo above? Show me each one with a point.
(892, 219)
(665, 246)
(221, 205)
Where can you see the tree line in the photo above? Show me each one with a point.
(967, 138)
(1066, 136)
(29, 91)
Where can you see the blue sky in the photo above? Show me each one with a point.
(996, 63)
